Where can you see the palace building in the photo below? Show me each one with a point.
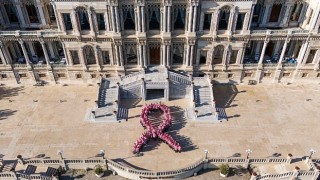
(80, 41)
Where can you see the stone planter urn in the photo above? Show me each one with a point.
(223, 175)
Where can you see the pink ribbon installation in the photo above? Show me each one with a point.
(153, 132)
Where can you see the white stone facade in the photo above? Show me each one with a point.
(79, 41)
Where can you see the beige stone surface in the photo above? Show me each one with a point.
(266, 118)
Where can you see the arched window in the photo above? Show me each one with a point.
(224, 18)
(83, 18)
(89, 55)
(218, 54)
(275, 12)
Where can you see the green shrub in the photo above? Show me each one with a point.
(98, 169)
(224, 169)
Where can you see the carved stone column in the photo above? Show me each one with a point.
(81, 57)
(265, 44)
(91, 15)
(75, 23)
(45, 52)
(42, 17)
(286, 16)
(5, 58)
(25, 54)
(20, 14)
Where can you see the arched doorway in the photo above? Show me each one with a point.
(89, 55)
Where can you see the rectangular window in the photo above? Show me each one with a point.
(311, 56)
(177, 54)
(256, 13)
(215, 75)
(318, 75)
(304, 75)
(233, 57)
(286, 75)
(23, 75)
(93, 76)
(207, 22)
(67, 21)
(100, 20)
(203, 57)
(61, 75)
(106, 57)
(179, 18)
(154, 17)
(131, 54)
(230, 75)
(78, 76)
(247, 74)
(3, 76)
(128, 18)
(42, 75)
(240, 21)
(32, 12)
(11, 12)
(266, 74)
(75, 57)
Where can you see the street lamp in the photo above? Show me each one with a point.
(60, 152)
(102, 153)
(206, 153)
(248, 151)
(312, 151)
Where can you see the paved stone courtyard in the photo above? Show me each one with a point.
(266, 118)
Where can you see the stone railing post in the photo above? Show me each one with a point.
(289, 158)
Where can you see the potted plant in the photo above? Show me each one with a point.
(224, 170)
(98, 170)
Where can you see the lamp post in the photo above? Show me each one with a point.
(312, 151)
(206, 153)
(60, 152)
(248, 151)
(102, 153)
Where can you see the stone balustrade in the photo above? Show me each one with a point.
(131, 173)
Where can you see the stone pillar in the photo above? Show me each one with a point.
(91, 21)
(263, 51)
(169, 17)
(58, 17)
(81, 57)
(247, 23)
(283, 51)
(66, 55)
(307, 17)
(265, 18)
(144, 48)
(230, 24)
(143, 28)
(214, 22)
(194, 19)
(164, 19)
(25, 54)
(106, 21)
(191, 16)
(201, 22)
(302, 53)
(75, 23)
(168, 56)
(45, 52)
(117, 18)
(187, 57)
(42, 17)
(5, 58)
(118, 48)
(163, 54)
(286, 17)
(96, 55)
(138, 18)
(191, 55)
(20, 14)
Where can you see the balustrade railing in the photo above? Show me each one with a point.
(179, 78)
(250, 65)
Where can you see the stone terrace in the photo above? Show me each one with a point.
(267, 119)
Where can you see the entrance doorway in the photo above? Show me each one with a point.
(155, 55)
(153, 94)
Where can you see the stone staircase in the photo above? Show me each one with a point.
(203, 101)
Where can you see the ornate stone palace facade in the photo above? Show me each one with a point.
(73, 41)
